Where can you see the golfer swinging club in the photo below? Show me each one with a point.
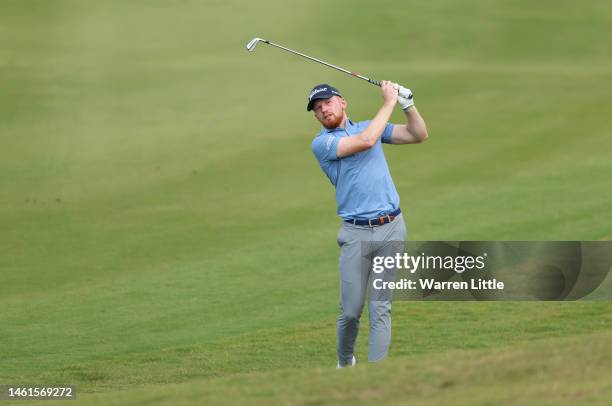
(351, 155)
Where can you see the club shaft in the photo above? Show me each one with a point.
(372, 81)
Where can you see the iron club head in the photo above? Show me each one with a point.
(253, 43)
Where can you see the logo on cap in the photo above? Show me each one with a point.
(319, 90)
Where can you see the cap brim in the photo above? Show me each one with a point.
(319, 97)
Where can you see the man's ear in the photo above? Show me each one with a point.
(343, 103)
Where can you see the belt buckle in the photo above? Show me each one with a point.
(380, 221)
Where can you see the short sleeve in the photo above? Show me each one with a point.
(386, 135)
(325, 147)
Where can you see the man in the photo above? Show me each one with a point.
(351, 155)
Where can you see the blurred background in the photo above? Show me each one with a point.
(165, 222)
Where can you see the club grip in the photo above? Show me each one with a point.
(402, 91)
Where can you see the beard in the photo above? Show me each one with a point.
(332, 122)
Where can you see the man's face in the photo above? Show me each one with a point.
(329, 112)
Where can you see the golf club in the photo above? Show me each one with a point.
(253, 43)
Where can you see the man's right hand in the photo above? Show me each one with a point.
(389, 92)
(372, 133)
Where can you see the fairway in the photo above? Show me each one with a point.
(169, 238)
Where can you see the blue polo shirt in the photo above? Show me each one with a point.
(364, 188)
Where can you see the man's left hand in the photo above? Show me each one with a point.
(405, 98)
(405, 103)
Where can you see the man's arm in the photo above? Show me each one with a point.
(413, 132)
(367, 139)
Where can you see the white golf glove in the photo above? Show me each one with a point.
(405, 98)
(405, 103)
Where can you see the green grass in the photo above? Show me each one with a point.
(542, 372)
(167, 233)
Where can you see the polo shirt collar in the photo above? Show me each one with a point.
(349, 124)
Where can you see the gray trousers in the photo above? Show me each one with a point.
(357, 244)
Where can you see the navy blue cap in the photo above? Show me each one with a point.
(322, 91)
